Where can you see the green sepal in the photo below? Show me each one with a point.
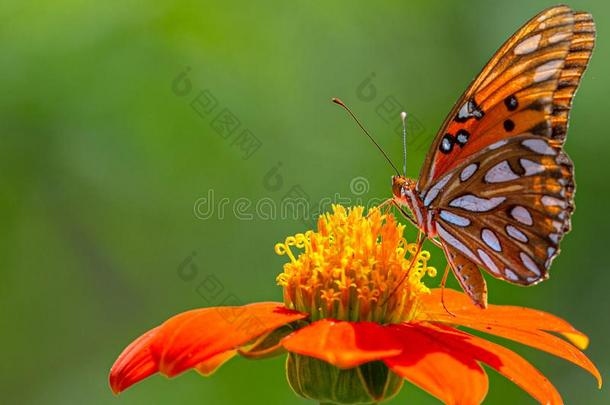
(269, 345)
(315, 379)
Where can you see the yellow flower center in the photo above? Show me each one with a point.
(354, 268)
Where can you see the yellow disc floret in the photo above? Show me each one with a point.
(356, 267)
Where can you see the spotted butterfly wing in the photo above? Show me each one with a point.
(468, 274)
(496, 185)
(508, 208)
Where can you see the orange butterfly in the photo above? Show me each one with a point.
(496, 187)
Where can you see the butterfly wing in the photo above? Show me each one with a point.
(508, 207)
(468, 275)
(527, 86)
(496, 177)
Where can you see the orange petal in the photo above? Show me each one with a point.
(453, 376)
(503, 360)
(518, 317)
(189, 338)
(343, 344)
(520, 324)
(542, 341)
(193, 337)
(208, 367)
(134, 364)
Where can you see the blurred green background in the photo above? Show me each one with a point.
(103, 157)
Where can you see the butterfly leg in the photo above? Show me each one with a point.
(403, 212)
(443, 290)
(469, 276)
(385, 205)
(436, 243)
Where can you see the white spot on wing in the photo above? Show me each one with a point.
(539, 146)
(554, 237)
(529, 263)
(528, 45)
(558, 37)
(491, 240)
(516, 234)
(491, 265)
(546, 70)
(549, 201)
(453, 241)
(531, 167)
(500, 173)
(464, 111)
(462, 138)
(522, 215)
(473, 203)
(468, 171)
(446, 145)
(436, 189)
(511, 275)
(498, 144)
(454, 218)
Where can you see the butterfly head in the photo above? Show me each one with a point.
(402, 189)
(405, 194)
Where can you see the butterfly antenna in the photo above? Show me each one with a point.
(342, 104)
(403, 118)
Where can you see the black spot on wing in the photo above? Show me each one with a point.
(447, 143)
(470, 109)
(511, 103)
(462, 137)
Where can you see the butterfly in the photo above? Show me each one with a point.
(496, 187)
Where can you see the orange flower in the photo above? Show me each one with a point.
(356, 322)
